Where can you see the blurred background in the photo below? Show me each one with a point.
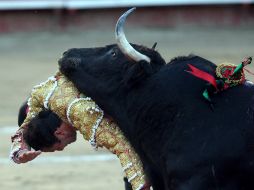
(34, 34)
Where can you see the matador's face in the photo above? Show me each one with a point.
(66, 134)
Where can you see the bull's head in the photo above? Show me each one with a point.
(106, 72)
(121, 61)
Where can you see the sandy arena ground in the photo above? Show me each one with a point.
(26, 59)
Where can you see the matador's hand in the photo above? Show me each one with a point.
(27, 155)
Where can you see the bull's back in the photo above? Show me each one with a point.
(193, 137)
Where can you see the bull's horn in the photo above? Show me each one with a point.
(122, 42)
(154, 45)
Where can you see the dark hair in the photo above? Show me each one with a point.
(40, 130)
(22, 113)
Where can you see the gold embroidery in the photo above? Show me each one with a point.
(87, 117)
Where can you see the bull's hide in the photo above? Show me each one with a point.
(183, 143)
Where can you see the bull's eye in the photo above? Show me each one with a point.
(113, 53)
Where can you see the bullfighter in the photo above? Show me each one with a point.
(81, 113)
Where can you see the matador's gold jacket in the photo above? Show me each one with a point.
(62, 97)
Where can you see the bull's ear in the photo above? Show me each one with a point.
(137, 72)
(68, 65)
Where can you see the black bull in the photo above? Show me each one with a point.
(183, 144)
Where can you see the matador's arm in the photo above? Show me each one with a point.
(35, 105)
